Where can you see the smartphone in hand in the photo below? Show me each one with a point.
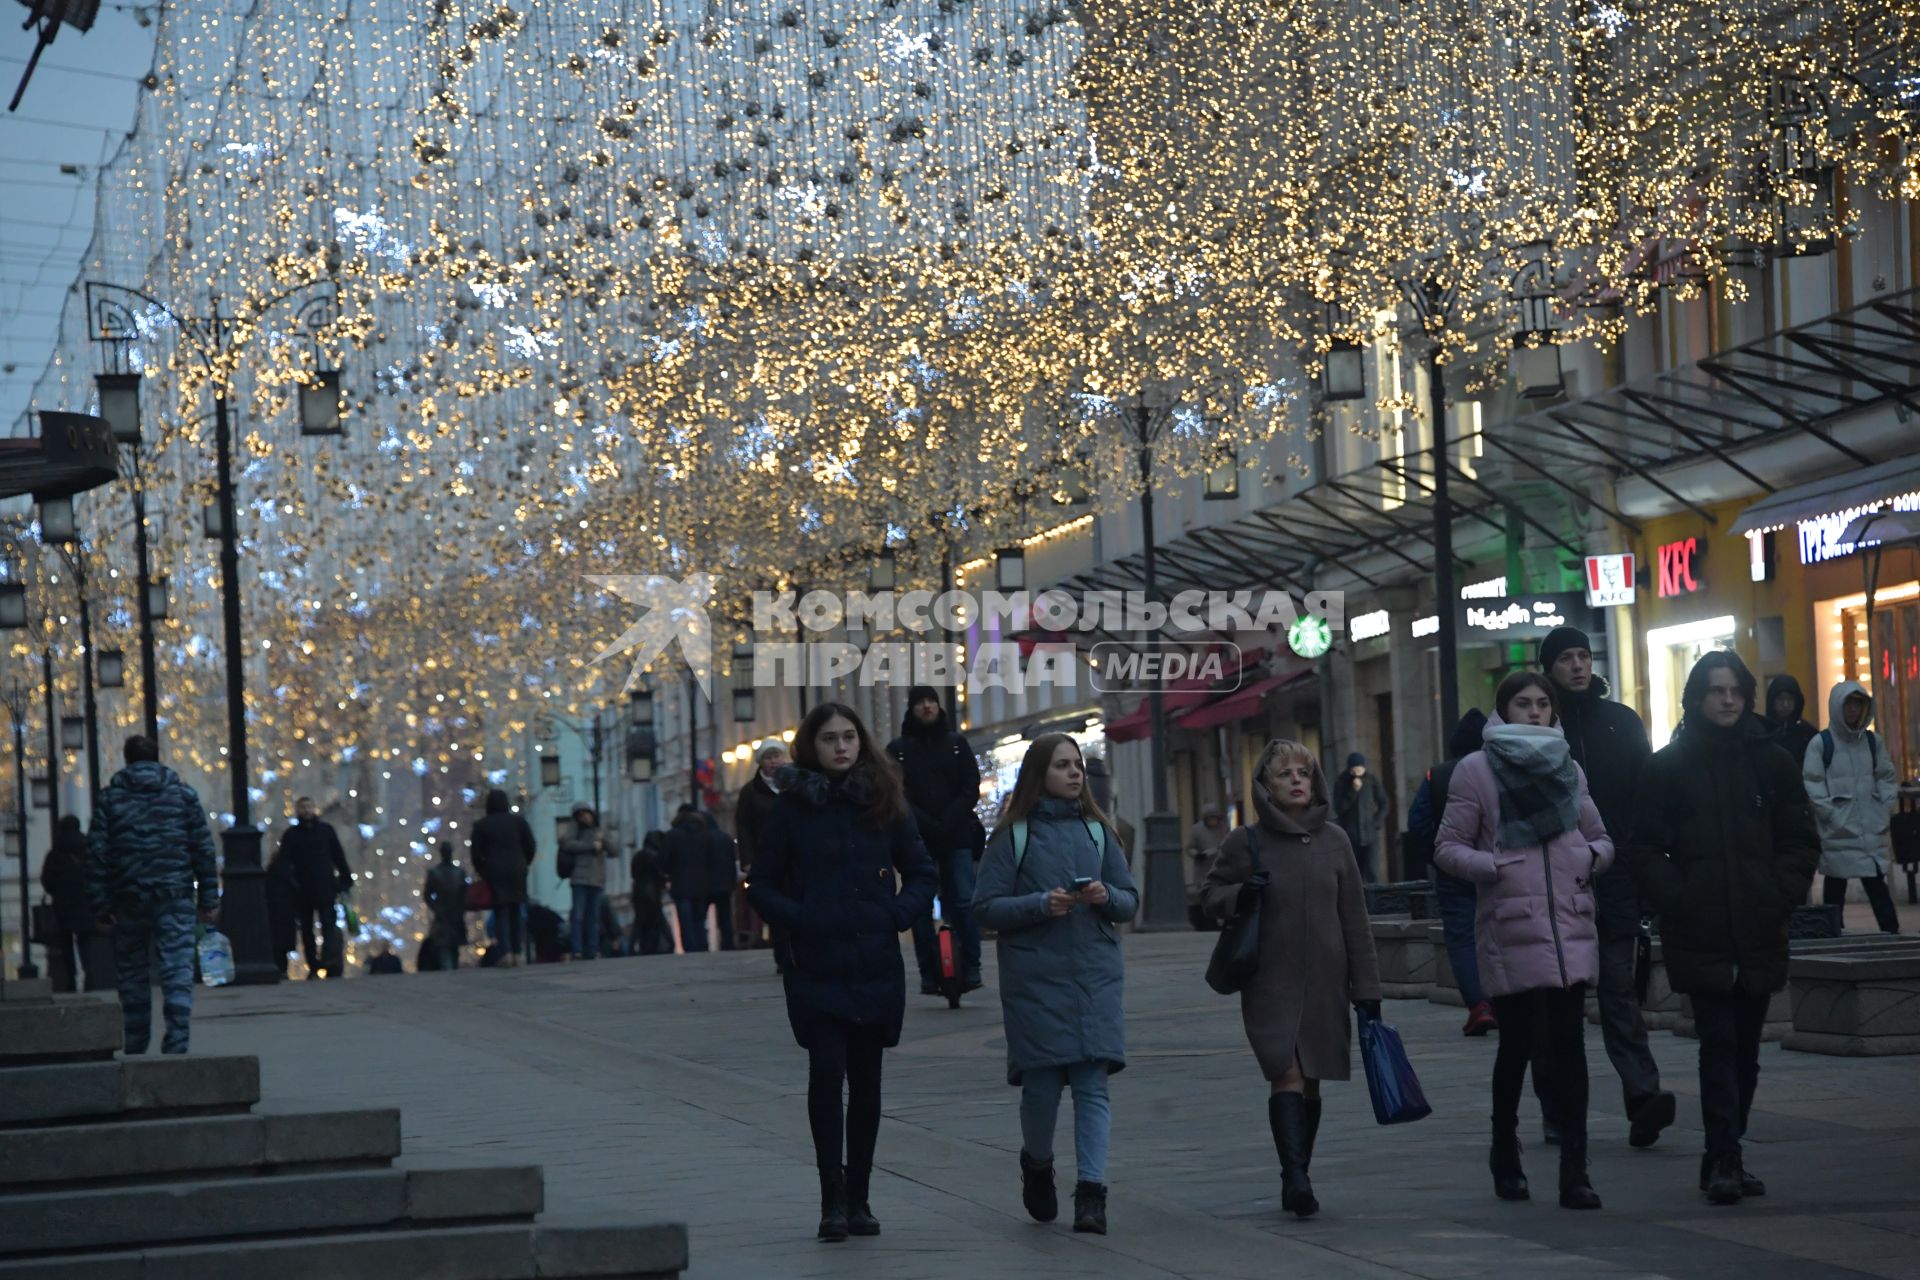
(1079, 883)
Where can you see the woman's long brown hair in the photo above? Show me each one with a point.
(1030, 788)
(887, 801)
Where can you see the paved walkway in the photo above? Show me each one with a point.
(670, 1087)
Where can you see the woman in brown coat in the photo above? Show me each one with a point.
(1316, 949)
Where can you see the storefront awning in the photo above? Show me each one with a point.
(1850, 491)
(1179, 695)
(72, 453)
(1241, 703)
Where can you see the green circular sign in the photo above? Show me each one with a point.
(1310, 636)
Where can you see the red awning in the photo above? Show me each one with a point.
(1180, 696)
(1239, 704)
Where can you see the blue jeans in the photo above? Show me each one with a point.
(1459, 899)
(956, 908)
(583, 922)
(1092, 1117)
(508, 927)
(693, 923)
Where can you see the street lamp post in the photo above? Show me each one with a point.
(243, 899)
(1166, 898)
(119, 394)
(77, 564)
(16, 704)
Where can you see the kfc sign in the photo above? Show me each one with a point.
(1679, 567)
(1609, 580)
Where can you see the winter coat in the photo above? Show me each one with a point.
(648, 867)
(942, 778)
(1792, 734)
(64, 876)
(688, 867)
(1430, 799)
(723, 868)
(446, 896)
(1061, 979)
(1854, 798)
(1609, 743)
(149, 841)
(843, 891)
(1360, 811)
(316, 862)
(751, 812)
(587, 847)
(1536, 924)
(1316, 946)
(503, 853)
(1723, 840)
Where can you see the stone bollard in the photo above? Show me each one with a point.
(1856, 1004)
(1780, 1010)
(1405, 950)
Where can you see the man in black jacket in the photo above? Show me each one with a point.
(1785, 723)
(688, 876)
(943, 786)
(318, 866)
(751, 814)
(1609, 742)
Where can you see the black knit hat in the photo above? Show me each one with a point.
(1558, 641)
(920, 691)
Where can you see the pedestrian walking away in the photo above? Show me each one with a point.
(1724, 840)
(689, 875)
(841, 869)
(1786, 723)
(1204, 839)
(1522, 827)
(1610, 745)
(503, 853)
(318, 866)
(1458, 899)
(651, 936)
(446, 896)
(723, 877)
(1850, 779)
(1316, 950)
(64, 876)
(1053, 886)
(150, 863)
(751, 811)
(582, 859)
(942, 779)
(1360, 807)
(283, 908)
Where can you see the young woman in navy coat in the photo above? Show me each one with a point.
(841, 868)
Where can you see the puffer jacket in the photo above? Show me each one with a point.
(1609, 743)
(1723, 839)
(1855, 796)
(586, 848)
(1537, 922)
(149, 841)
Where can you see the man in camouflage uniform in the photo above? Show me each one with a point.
(149, 863)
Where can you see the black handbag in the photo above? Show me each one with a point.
(1236, 952)
(45, 926)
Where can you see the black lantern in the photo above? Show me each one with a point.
(113, 669)
(1535, 363)
(1223, 477)
(73, 732)
(13, 605)
(1345, 374)
(549, 769)
(157, 598)
(742, 684)
(883, 572)
(640, 705)
(42, 788)
(1010, 569)
(56, 518)
(321, 407)
(640, 768)
(120, 404)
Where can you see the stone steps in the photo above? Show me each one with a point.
(128, 1088)
(513, 1252)
(33, 1032)
(228, 1209)
(200, 1145)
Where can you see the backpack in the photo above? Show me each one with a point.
(1094, 829)
(1826, 748)
(1420, 844)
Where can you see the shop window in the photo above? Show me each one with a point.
(1671, 653)
(1888, 664)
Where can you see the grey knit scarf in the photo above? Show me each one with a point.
(1539, 788)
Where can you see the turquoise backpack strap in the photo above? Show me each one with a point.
(1098, 831)
(1019, 843)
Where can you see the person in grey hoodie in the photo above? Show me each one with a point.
(1850, 779)
(1054, 885)
(582, 859)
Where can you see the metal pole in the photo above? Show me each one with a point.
(53, 748)
(149, 691)
(1443, 548)
(596, 768)
(16, 704)
(92, 708)
(693, 742)
(946, 585)
(1157, 711)
(1165, 883)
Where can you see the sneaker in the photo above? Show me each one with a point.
(1480, 1020)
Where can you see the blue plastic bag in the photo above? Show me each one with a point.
(216, 958)
(1397, 1096)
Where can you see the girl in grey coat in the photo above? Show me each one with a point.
(1053, 885)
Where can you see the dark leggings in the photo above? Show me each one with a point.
(840, 1051)
(1833, 892)
(1547, 1028)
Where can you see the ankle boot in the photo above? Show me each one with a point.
(833, 1204)
(1576, 1191)
(1723, 1180)
(1090, 1207)
(1036, 1189)
(1509, 1179)
(1287, 1115)
(860, 1219)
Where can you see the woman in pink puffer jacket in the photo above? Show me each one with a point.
(1520, 825)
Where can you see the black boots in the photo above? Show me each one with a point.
(1647, 1117)
(1090, 1207)
(1313, 1130)
(833, 1204)
(1726, 1180)
(1576, 1192)
(860, 1219)
(1509, 1179)
(1036, 1189)
(1287, 1114)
